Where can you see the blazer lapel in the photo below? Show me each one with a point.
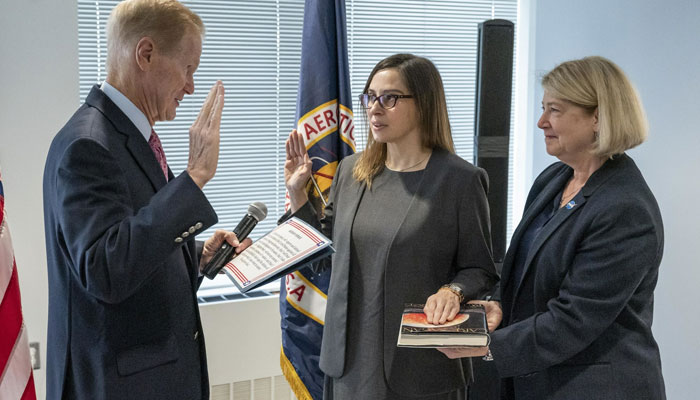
(559, 217)
(142, 153)
(429, 175)
(597, 179)
(605, 172)
(345, 203)
(351, 199)
(543, 199)
(135, 143)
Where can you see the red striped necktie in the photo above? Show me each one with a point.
(157, 147)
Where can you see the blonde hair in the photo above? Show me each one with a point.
(165, 21)
(424, 83)
(597, 83)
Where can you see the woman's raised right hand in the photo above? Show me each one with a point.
(297, 169)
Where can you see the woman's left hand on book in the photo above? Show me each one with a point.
(441, 307)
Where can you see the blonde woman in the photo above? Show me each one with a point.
(577, 288)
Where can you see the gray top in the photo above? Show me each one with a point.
(379, 214)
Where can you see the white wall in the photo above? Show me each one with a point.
(232, 356)
(38, 93)
(658, 44)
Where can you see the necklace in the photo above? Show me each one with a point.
(565, 198)
(407, 168)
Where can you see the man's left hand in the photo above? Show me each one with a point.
(213, 243)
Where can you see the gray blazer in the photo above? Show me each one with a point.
(444, 237)
(592, 269)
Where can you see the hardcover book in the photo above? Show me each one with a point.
(467, 329)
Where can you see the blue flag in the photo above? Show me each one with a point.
(325, 119)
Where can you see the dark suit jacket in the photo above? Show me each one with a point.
(592, 272)
(123, 316)
(444, 237)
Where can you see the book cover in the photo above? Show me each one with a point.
(467, 329)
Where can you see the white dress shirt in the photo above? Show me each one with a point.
(132, 112)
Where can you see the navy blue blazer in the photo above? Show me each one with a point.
(122, 265)
(592, 271)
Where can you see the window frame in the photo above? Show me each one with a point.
(258, 62)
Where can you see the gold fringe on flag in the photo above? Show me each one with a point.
(298, 387)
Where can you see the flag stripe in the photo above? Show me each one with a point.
(16, 379)
(312, 303)
(6, 256)
(29, 391)
(333, 102)
(11, 317)
(17, 374)
(310, 285)
(304, 311)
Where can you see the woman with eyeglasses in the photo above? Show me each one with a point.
(410, 223)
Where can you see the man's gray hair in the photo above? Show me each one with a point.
(164, 21)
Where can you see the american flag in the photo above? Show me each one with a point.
(16, 379)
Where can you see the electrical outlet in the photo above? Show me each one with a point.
(34, 354)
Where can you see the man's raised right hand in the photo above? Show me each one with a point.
(204, 137)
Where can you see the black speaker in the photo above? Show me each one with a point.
(494, 81)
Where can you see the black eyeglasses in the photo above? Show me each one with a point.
(387, 101)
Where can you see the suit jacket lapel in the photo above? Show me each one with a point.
(135, 143)
(352, 199)
(543, 199)
(597, 179)
(345, 202)
(142, 153)
(429, 175)
(605, 172)
(559, 217)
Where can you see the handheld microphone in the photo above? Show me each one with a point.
(257, 212)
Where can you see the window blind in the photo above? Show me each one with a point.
(254, 47)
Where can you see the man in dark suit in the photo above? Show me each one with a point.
(123, 266)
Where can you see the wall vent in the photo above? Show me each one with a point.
(270, 388)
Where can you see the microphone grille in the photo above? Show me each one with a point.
(258, 210)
